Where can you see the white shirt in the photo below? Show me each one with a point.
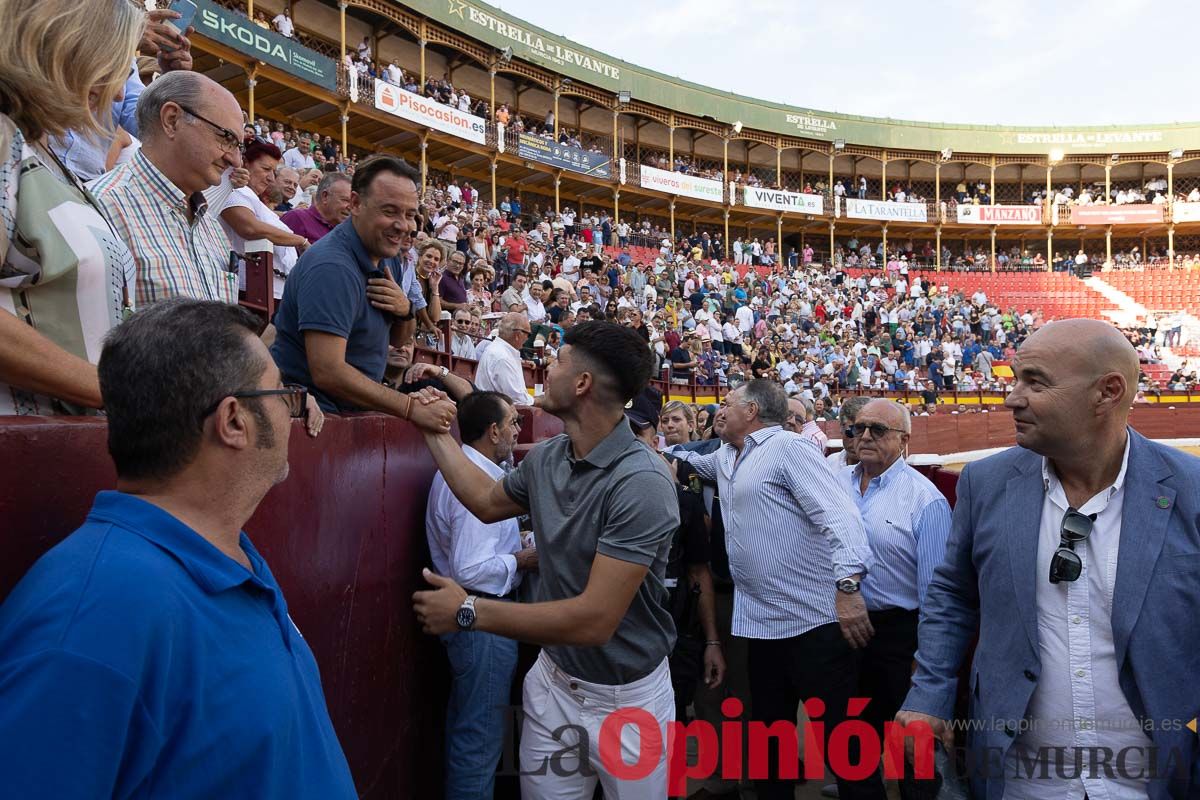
(285, 257)
(500, 370)
(477, 556)
(534, 309)
(283, 24)
(462, 346)
(298, 160)
(745, 318)
(1079, 674)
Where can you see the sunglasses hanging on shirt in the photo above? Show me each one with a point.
(1066, 566)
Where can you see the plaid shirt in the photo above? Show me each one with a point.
(175, 257)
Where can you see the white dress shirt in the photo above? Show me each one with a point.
(500, 371)
(790, 529)
(1079, 675)
(477, 556)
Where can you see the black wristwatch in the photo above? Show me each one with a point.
(466, 614)
(848, 585)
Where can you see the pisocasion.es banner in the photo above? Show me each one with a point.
(429, 113)
(757, 197)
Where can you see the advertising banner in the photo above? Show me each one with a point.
(548, 151)
(429, 113)
(969, 214)
(885, 211)
(683, 185)
(1185, 212)
(235, 30)
(778, 200)
(1116, 215)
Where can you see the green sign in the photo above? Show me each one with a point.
(234, 29)
(530, 43)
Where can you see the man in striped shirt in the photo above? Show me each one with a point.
(797, 552)
(190, 127)
(908, 522)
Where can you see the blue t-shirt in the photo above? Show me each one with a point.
(139, 661)
(327, 291)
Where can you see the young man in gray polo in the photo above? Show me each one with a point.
(603, 509)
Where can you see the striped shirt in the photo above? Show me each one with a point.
(790, 530)
(908, 522)
(175, 257)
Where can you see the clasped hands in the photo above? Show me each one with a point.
(432, 410)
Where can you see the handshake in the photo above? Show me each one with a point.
(431, 410)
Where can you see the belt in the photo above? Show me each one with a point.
(487, 596)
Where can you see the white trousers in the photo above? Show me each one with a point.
(563, 750)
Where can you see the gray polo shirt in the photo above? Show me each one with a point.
(618, 501)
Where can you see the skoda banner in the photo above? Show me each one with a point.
(547, 151)
(429, 113)
(235, 30)
(778, 200)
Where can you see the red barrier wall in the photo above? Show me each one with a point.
(344, 535)
(959, 433)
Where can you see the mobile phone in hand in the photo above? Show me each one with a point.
(187, 12)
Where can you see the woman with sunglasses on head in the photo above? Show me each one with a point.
(65, 277)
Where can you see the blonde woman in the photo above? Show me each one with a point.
(677, 421)
(66, 278)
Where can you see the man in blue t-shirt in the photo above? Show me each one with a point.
(150, 653)
(351, 296)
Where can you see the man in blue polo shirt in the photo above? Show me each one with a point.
(342, 305)
(150, 653)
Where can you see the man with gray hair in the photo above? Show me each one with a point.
(189, 126)
(500, 367)
(907, 522)
(797, 554)
(848, 455)
(287, 181)
(330, 207)
(801, 419)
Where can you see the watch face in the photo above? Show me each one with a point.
(465, 618)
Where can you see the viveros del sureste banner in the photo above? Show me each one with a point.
(683, 185)
(429, 113)
(757, 197)
(1116, 215)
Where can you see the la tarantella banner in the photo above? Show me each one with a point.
(1116, 215)
(683, 185)
(757, 197)
(429, 113)
(235, 30)
(970, 214)
(885, 210)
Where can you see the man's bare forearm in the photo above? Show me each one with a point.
(557, 622)
(473, 487)
(351, 388)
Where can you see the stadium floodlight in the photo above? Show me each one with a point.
(1114, 158)
(1056, 155)
(565, 82)
(506, 55)
(624, 97)
(1177, 153)
(839, 144)
(737, 126)
(947, 154)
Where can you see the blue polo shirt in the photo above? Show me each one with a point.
(138, 661)
(327, 291)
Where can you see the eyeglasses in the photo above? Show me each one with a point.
(1066, 565)
(878, 429)
(230, 141)
(295, 395)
